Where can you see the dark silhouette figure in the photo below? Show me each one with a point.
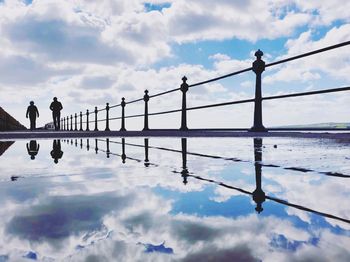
(33, 149)
(258, 194)
(56, 152)
(56, 108)
(33, 113)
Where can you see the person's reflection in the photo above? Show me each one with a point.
(258, 194)
(56, 152)
(32, 148)
(184, 172)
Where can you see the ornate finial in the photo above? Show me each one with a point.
(123, 98)
(146, 91)
(259, 54)
(184, 79)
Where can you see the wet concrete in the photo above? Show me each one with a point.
(169, 133)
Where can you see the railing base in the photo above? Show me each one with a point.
(257, 129)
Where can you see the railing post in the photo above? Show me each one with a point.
(81, 143)
(146, 99)
(64, 123)
(184, 89)
(87, 120)
(67, 123)
(71, 122)
(87, 144)
(75, 124)
(96, 129)
(81, 121)
(107, 117)
(258, 69)
(123, 114)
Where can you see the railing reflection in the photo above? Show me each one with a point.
(258, 195)
(146, 161)
(184, 172)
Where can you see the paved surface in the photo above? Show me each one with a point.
(167, 133)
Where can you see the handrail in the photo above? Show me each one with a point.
(331, 90)
(258, 67)
(317, 51)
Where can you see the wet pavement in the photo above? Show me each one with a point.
(175, 199)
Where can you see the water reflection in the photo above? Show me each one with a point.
(4, 146)
(56, 152)
(177, 202)
(258, 194)
(184, 172)
(33, 149)
(146, 161)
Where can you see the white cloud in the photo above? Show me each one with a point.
(194, 20)
(327, 10)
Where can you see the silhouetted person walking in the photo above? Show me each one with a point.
(33, 112)
(56, 152)
(56, 108)
(33, 149)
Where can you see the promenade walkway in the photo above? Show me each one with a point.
(169, 133)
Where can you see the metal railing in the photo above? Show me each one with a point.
(258, 67)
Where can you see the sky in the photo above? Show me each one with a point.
(88, 53)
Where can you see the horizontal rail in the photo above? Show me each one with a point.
(113, 106)
(308, 53)
(221, 77)
(165, 92)
(134, 101)
(332, 90)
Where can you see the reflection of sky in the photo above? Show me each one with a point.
(89, 207)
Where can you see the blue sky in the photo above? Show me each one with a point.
(89, 53)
